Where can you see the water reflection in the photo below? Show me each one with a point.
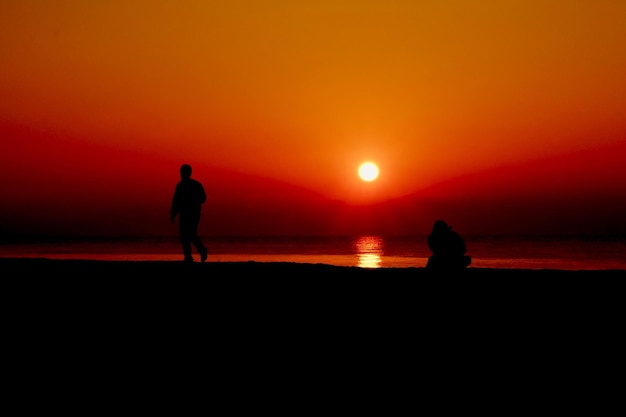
(368, 250)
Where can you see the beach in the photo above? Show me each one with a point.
(163, 269)
(267, 283)
(294, 313)
(139, 270)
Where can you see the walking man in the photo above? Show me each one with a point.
(189, 196)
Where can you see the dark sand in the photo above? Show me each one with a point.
(259, 282)
(260, 302)
(284, 287)
(239, 319)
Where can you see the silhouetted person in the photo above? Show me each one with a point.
(189, 196)
(448, 248)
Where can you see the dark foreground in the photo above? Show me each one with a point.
(294, 296)
(264, 284)
(250, 323)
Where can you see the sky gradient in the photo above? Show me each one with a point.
(499, 116)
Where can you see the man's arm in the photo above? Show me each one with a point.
(202, 194)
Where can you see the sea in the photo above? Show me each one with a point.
(367, 251)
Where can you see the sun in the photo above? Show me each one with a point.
(368, 171)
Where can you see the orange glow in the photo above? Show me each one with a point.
(100, 101)
(369, 250)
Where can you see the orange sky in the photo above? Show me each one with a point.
(100, 102)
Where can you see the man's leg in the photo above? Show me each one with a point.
(192, 235)
(185, 241)
(202, 250)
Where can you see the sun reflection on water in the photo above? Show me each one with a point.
(369, 250)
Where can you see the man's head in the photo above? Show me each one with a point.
(185, 171)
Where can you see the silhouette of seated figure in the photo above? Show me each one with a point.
(447, 247)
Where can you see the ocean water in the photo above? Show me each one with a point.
(566, 253)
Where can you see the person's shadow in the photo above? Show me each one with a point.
(447, 247)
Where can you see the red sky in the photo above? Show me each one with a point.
(501, 117)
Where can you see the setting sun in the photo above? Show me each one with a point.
(368, 171)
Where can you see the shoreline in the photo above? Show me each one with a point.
(160, 268)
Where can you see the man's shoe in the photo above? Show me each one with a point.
(204, 255)
(188, 260)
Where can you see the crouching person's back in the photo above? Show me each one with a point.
(447, 247)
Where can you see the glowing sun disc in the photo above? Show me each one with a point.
(368, 171)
